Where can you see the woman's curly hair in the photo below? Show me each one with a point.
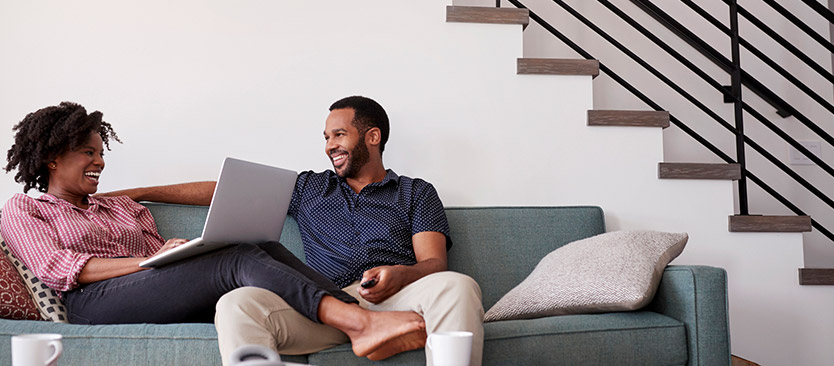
(47, 133)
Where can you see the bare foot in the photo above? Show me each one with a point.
(408, 342)
(383, 327)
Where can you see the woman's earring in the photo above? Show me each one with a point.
(52, 165)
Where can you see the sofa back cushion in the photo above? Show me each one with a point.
(500, 246)
(497, 246)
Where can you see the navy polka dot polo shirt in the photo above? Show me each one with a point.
(346, 233)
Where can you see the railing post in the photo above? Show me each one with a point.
(738, 108)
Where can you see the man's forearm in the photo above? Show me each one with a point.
(196, 193)
(421, 269)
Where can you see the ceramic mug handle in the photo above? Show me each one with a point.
(58, 349)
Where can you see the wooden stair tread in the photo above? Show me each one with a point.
(482, 14)
(816, 276)
(769, 224)
(557, 66)
(698, 171)
(628, 118)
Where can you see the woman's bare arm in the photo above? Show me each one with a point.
(196, 193)
(100, 269)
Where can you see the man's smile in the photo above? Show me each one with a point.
(338, 157)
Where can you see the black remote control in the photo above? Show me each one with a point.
(369, 283)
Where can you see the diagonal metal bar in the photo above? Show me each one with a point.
(784, 43)
(822, 229)
(821, 9)
(800, 24)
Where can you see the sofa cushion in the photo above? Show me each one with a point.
(609, 272)
(636, 338)
(48, 303)
(15, 301)
(499, 246)
(124, 344)
(632, 338)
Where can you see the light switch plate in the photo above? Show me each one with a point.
(797, 158)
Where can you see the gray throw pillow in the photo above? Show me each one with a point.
(617, 271)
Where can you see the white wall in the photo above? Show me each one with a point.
(190, 82)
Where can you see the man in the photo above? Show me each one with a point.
(361, 225)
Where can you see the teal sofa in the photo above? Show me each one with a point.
(686, 323)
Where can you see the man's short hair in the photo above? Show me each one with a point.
(367, 114)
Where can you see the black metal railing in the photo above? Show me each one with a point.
(764, 58)
(739, 80)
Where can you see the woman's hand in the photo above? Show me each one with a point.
(171, 244)
(98, 269)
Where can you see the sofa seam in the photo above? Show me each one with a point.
(594, 331)
(75, 336)
(696, 325)
(469, 208)
(697, 316)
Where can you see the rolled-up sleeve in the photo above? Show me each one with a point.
(32, 240)
(429, 214)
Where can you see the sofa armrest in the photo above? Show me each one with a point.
(697, 296)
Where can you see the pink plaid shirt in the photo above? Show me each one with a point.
(56, 239)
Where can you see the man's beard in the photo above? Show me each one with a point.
(358, 157)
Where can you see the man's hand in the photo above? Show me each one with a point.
(430, 251)
(389, 280)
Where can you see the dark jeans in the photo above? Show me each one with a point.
(187, 291)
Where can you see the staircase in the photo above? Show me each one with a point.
(648, 118)
(755, 225)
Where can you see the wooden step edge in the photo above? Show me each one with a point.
(816, 276)
(482, 14)
(769, 224)
(628, 118)
(698, 171)
(738, 361)
(557, 66)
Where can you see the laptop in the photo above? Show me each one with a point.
(249, 205)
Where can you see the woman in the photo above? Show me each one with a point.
(88, 248)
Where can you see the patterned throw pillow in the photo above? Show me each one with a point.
(15, 301)
(617, 271)
(46, 299)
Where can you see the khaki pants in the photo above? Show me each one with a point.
(448, 301)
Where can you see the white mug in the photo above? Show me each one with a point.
(36, 349)
(254, 355)
(450, 348)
